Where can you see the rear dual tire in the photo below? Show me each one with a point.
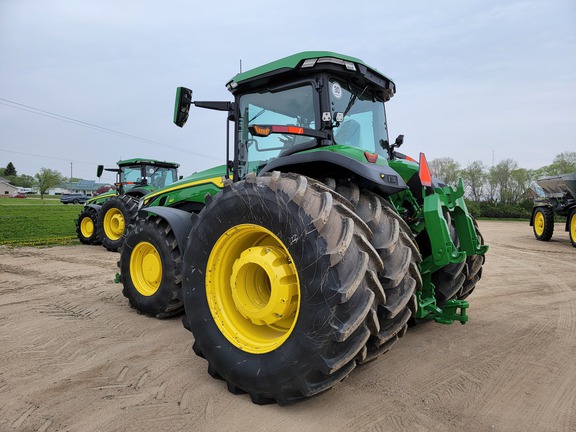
(281, 292)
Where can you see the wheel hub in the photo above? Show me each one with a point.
(261, 285)
(539, 223)
(114, 224)
(146, 268)
(252, 288)
(87, 227)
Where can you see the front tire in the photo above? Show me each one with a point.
(279, 280)
(87, 226)
(150, 268)
(115, 216)
(543, 223)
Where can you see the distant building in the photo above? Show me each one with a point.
(6, 189)
(86, 187)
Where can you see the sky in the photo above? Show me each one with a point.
(84, 83)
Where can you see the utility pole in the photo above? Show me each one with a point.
(70, 171)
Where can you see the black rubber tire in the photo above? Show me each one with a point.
(85, 237)
(457, 281)
(572, 226)
(124, 206)
(166, 301)
(449, 280)
(336, 269)
(473, 269)
(400, 278)
(548, 229)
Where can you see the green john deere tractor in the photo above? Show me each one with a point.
(105, 217)
(311, 251)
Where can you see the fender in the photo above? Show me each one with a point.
(96, 207)
(324, 163)
(179, 220)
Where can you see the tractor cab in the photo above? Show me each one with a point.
(140, 176)
(311, 100)
(316, 113)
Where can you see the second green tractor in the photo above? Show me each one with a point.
(105, 217)
(314, 246)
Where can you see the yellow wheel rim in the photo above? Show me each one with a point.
(573, 228)
(539, 223)
(252, 288)
(87, 227)
(114, 224)
(146, 269)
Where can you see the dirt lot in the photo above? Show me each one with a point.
(75, 357)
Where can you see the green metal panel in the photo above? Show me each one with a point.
(193, 188)
(99, 199)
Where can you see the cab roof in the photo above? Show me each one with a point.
(141, 161)
(309, 62)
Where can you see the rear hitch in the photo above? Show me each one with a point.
(453, 310)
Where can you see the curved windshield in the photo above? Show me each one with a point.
(364, 123)
(157, 177)
(291, 107)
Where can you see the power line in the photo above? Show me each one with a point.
(76, 122)
(47, 157)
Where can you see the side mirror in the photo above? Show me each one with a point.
(99, 171)
(182, 105)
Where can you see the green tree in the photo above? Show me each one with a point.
(564, 163)
(47, 179)
(520, 183)
(10, 170)
(474, 179)
(24, 181)
(500, 181)
(446, 169)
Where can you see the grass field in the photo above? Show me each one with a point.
(35, 222)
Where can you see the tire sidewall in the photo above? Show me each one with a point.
(263, 207)
(87, 213)
(153, 305)
(548, 218)
(115, 202)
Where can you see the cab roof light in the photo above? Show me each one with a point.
(308, 63)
